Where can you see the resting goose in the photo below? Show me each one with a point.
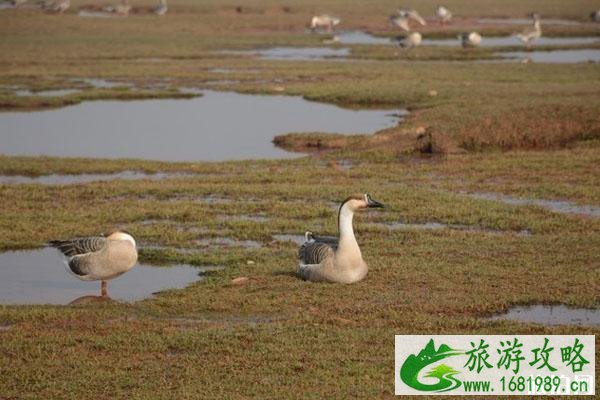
(324, 21)
(472, 39)
(122, 8)
(99, 258)
(443, 14)
(403, 16)
(332, 259)
(413, 39)
(531, 34)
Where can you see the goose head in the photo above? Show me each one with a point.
(359, 202)
(120, 235)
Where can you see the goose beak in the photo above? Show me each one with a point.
(373, 204)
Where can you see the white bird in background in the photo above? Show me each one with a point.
(443, 14)
(403, 16)
(122, 8)
(324, 21)
(56, 6)
(161, 8)
(332, 259)
(99, 258)
(470, 39)
(532, 33)
(413, 39)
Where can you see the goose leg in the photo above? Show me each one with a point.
(104, 289)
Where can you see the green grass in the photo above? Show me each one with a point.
(521, 130)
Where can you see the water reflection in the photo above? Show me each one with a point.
(40, 277)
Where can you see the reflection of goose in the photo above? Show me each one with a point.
(472, 39)
(99, 258)
(324, 21)
(161, 8)
(413, 39)
(443, 14)
(56, 6)
(532, 33)
(403, 16)
(595, 16)
(332, 259)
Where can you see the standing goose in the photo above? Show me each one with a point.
(595, 16)
(324, 21)
(532, 33)
(470, 39)
(99, 258)
(161, 8)
(332, 259)
(443, 14)
(403, 16)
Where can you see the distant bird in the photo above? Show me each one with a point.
(532, 33)
(56, 6)
(470, 39)
(324, 21)
(333, 259)
(413, 39)
(595, 16)
(443, 14)
(161, 8)
(99, 258)
(403, 16)
(17, 3)
(122, 8)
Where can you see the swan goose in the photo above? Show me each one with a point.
(403, 16)
(443, 14)
(326, 21)
(470, 39)
(531, 34)
(161, 8)
(99, 258)
(333, 259)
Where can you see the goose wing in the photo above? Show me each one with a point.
(416, 16)
(317, 249)
(79, 246)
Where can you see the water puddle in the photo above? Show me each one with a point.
(217, 126)
(286, 237)
(228, 242)
(41, 277)
(551, 315)
(440, 226)
(243, 218)
(359, 37)
(46, 93)
(555, 56)
(297, 53)
(56, 179)
(525, 21)
(558, 206)
(98, 14)
(103, 84)
(499, 41)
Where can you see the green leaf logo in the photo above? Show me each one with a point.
(409, 372)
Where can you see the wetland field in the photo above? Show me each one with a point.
(218, 133)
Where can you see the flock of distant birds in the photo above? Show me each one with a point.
(411, 38)
(123, 8)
